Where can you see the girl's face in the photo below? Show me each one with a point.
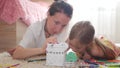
(77, 47)
(57, 22)
(81, 51)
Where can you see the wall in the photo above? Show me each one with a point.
(118, 23)
(7, 35)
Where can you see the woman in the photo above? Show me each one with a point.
(50, 30)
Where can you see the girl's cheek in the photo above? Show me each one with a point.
(87, 56)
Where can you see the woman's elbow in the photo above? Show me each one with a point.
(17, 56)
(18, 53)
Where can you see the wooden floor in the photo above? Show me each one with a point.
(7, 36)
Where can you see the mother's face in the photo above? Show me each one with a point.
(57, 22)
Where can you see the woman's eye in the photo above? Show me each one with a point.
(63, 25)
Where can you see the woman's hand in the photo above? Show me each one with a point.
(11, 51)
(50, 40)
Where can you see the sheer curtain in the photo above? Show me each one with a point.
(101, 13)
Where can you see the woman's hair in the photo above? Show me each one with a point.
(61, 6)
(107, 51)
(83, 31)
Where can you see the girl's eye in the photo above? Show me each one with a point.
(83, 54)
(56, 22)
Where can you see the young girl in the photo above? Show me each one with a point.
(81, 36)
(82, 41)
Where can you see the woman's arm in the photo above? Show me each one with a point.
(21, 53)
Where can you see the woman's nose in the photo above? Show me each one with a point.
(58, 29)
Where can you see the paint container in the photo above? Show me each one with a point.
(70, 59)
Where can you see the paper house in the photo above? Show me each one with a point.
(56, 54)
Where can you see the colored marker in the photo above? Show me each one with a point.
(113, 65)
(37, 60)
(13, 65)
(88, 61)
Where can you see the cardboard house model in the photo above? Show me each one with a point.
(56, 54)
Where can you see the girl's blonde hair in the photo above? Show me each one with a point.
(108, 48)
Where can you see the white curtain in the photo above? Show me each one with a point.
(101, 13)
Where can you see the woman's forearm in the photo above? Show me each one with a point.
(21, 53)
